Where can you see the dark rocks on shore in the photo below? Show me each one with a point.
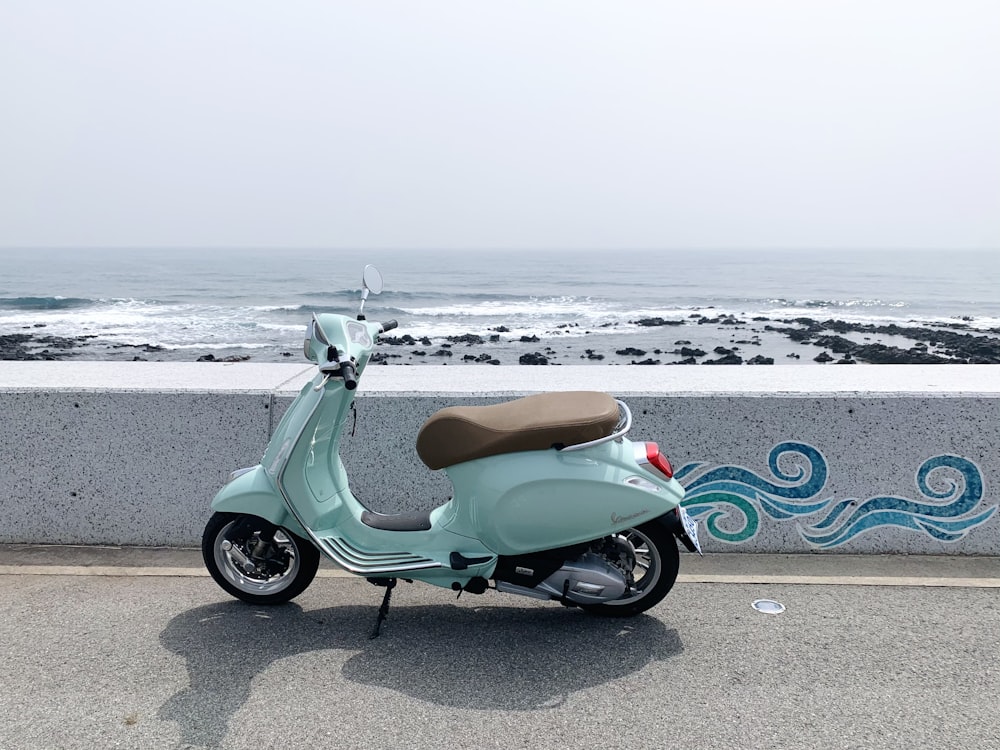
(957, 346)
(404, 340)
(646, 362)
(535, 358)
(880, 354)
(482, 358)
(760, 360)
(12, 346)
(795, 334)
(687, 352)
(213, 358)
(951, 343)
(650, 322)
(725, 320)
(837, 344)
(729, 359)
(22, 346)
(468, 339)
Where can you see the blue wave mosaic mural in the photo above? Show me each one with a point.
(731, 499)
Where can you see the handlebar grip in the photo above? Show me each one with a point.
(349, 374)
(389, 325)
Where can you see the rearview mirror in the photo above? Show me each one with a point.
(372, 279)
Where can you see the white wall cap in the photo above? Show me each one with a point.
(722, 380)
(485, 380)
(162, 377)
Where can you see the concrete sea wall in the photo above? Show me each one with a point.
(865, 459)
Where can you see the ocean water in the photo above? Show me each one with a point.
(257, 302)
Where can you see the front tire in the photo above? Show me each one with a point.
(653, 572)
(278, 573)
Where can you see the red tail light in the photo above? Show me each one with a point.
(657, 459)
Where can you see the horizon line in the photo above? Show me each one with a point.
(519, 249)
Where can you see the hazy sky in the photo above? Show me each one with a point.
(431, 123)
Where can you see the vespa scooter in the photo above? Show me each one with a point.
(551, 500)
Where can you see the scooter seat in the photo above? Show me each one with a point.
(462, 433)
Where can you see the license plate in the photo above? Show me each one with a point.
(690, 528)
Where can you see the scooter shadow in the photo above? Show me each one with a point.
(488, 658)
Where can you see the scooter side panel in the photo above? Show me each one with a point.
(254, 493)
(525, 502)
(289, 428)
(313, 476)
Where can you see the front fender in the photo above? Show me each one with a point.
(254, 493)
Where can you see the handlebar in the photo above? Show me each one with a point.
(349, 374)
(389, 325)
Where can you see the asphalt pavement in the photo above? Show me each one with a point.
(105, 648)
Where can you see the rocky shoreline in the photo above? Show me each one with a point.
(706, 340)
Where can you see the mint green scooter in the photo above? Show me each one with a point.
(551, 500)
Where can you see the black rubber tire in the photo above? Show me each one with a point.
(662, 549)
(305, 561)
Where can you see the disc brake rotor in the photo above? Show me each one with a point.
(274, 561)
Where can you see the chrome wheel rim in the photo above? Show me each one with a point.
(647, 569)
(252, 583)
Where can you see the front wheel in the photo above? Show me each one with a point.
(648, 557)
(256, 562)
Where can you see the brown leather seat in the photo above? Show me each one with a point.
(462, 433)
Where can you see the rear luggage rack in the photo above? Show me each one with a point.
(623, 426)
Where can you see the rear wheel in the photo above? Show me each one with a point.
(255, 561)
(648, 556)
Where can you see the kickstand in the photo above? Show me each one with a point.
(383, 611)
